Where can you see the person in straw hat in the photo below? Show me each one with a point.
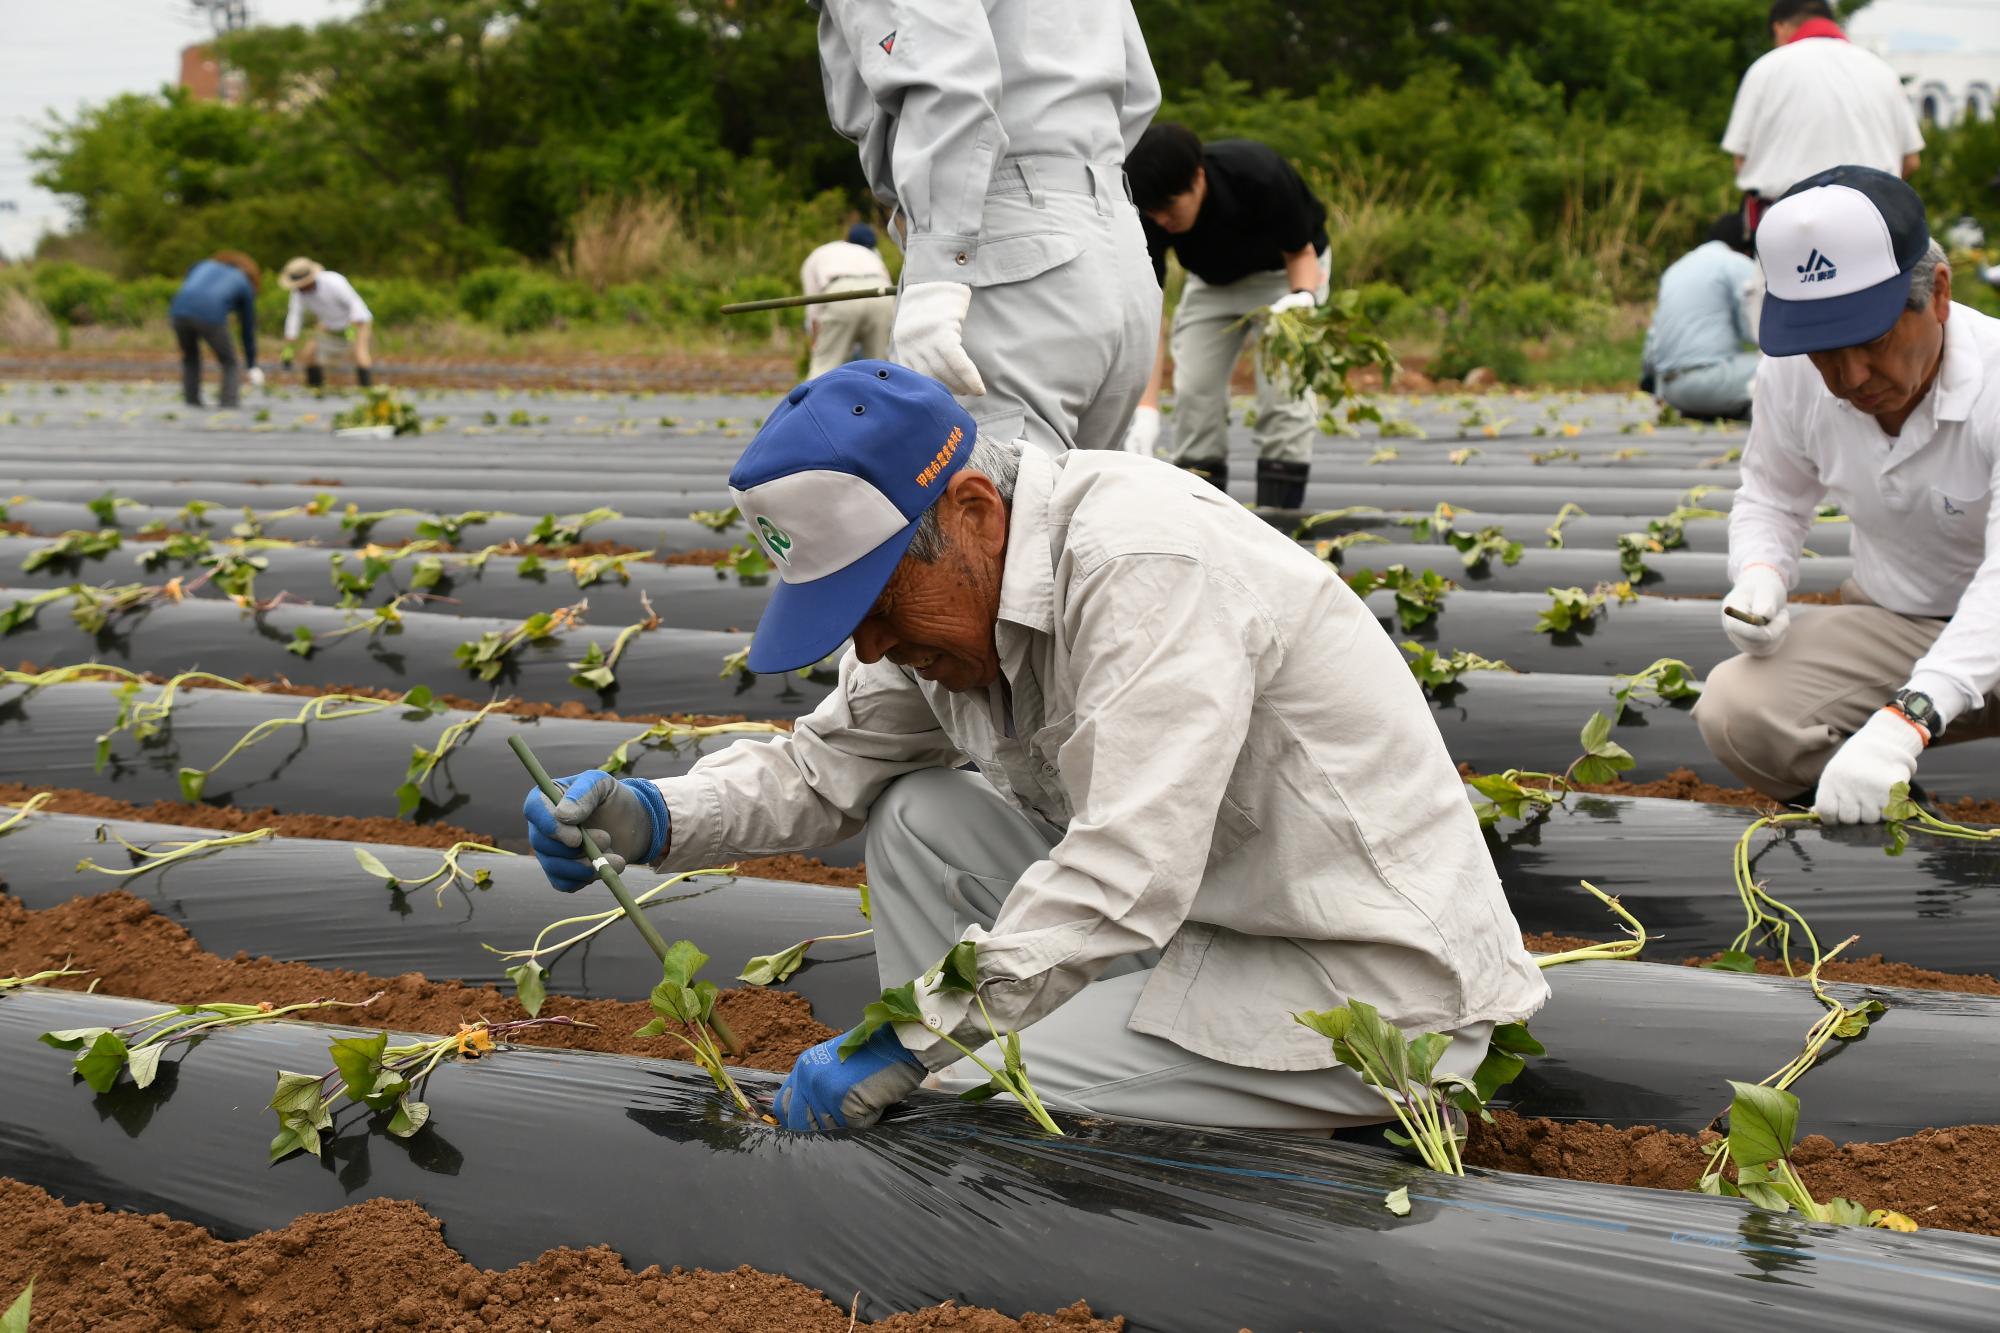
(343, 317)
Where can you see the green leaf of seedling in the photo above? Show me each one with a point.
(1853, 1022)
(1496, 1071)
(193, 781)
(705, 993)
(1333, 1024)
(1754, 1185)
(16, 1318)
(302, 642)
(682, 962)
(653, 1028)
(373, 865)
(72, 1039)
(529, 989)
(145, 1064)
(1424, 1052)
(297, 1094)
(767, 968)
(409, 1118)
(1843, 1212)
(1397, 1201)
(100, 1062)
(898, 1005)
(959, 970)
(389, 1088)
(1398, 1138)
(1733, 960)
(985, 1092)
(421, 700)
(292, 1138)
(357, 1059)
(408, 797)
(867, 913)
(1717, 1186)
(1762, 1124)
(1900, 806)
(1596, 733)
(1515, 1037)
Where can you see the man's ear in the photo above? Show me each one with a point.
(1941, 295)
(978, 511)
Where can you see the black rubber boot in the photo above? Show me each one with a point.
(364, 377)
(315, 377)
(1281, 485)
(1215, 474)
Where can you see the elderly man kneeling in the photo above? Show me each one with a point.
(1204, 792)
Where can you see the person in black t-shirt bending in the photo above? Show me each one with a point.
(1252, 238)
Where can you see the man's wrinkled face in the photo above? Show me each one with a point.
(1888, 377)
(1181, 210)
(937, 618)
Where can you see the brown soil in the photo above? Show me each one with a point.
(708, 555)
(14, 527)
(803, 870)
(1943, 1178)
(1554, 943)
(1874, 970)
(131, 950)
(385, 1264)
(341, 828)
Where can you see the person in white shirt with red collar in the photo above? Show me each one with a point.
(1881, 395)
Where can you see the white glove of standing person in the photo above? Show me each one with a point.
(256, 377)
(1761, 593)
(1854, 789)
(1296, 301)
(928, 335)
(1144, 432)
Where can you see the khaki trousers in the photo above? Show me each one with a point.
(944, 849)
(841, 325)
(1775, 721)
(1208, 336)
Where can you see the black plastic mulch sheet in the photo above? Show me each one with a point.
(1174, 1229)
(661, 671)
(1619, 639)
(1708, 536)
(664, 497)
(683, 597)
(309, 900)
(1495, 721)
(1538, 570)
(1630, 1043)
(1936, 904)
(343, 766)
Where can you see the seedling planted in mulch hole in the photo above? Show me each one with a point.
(136, 1047)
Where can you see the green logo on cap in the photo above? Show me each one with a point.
(776, 539)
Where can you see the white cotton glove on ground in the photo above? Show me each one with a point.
(256, 377)
(928, 335)
(1144, 432)
(1854, 789)
(1296, 301)
(1758, 592)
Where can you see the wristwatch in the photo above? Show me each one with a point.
(1920, 710)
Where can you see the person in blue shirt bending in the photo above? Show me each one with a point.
(1699, 357)
(223, 282)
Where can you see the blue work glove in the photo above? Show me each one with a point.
(627, 819)
(824, 1091)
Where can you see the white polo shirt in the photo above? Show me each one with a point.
(1926, 530)
(1816, 103)
(332, 301)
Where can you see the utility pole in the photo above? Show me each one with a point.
(223, 16)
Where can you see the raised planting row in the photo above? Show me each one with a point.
(549, 657)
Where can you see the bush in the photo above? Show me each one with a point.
(405, 302)
(480, 290)
(537, 301)
(635, 303)
(74, 294)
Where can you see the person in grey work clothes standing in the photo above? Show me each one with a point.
(1883, 395)
(996, 131)
(225, 282)
(1699, 358)
(1253, 239)
(1208, 793)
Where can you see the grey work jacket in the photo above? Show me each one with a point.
(1247, 777)
(942, 95)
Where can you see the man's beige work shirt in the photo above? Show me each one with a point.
(1247, 777)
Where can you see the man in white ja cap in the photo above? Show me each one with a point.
(1882, 395)
(1208, 791)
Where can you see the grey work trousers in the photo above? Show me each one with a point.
(944, 850)
(1065, 351)
(1719, 390)
(841, 326)
(192, 333)
(1208, 335)
(1775, 721)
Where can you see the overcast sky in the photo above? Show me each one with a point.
(62, 54)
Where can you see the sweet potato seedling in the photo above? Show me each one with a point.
(1570, 510)
(680, 998)
(37, 978)
(162, 855)
(747, 561)
(590, 569)
(380, 408)
(450, 528)
(958, 972)
(1435, 670)
(1313, 351)
(1312, 522)
(1763, 1122)
(370, 1072)
(145, 719)
(672, 734)
(1404, 1071)
(73, 548)
(423, 763)
(717, 520)
(15, 1320)
(1667, 680)
(27, 807)
(21, 613)
(529, 975)
(767, 969)
(486, 656)
(385, 619)
(597, 671)
(569, 529)
(449, 873)
(102, 1053)
(1419, 596)
(1608, 950)
(1603, 759)
(321, 708)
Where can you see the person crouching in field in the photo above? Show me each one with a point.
(344, 320)
(226, 281)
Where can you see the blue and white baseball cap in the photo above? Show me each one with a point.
(1837, 250)
(833, 487)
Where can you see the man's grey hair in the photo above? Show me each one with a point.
(1001, 464)
(1923, 278)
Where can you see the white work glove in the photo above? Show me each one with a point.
(1759, 591)
(1296, 301)
(1144, 432)
(927, 335)
(256, 377)
(1854, 789)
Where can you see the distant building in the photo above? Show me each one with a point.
(1947, 87)
(205, 77)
